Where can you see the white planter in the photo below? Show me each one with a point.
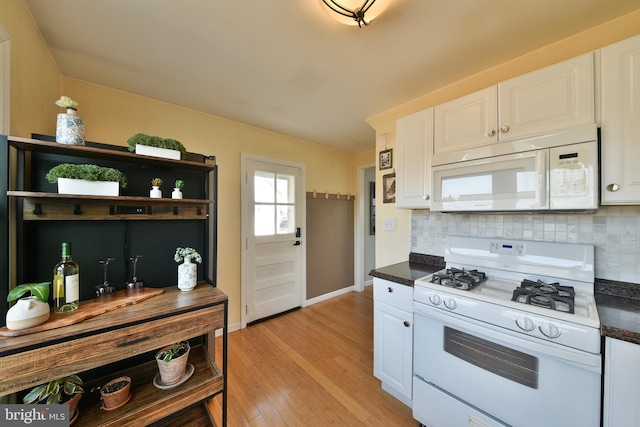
(27, 312)
(165, 153)
(187, 275)
(89, 188)
(176, 194)
(155, 192)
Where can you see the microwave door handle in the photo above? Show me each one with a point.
(543, 171)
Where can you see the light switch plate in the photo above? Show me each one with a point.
(389, 224)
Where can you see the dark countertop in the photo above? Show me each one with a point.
(407, 272)
(618, 302)
(619, 309)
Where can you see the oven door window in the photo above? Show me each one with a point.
(508, 363)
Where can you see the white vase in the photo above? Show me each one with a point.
(27, 312)
(187, 275)
(176, 194)
(70, 128)
(155, 192)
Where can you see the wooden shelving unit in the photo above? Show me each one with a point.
(119, 337)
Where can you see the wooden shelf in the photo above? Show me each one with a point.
(34, 145)
(52, 206)
(148, 403)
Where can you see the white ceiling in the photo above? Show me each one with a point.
(286, 66)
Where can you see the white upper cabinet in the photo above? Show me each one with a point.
(467, 122)
(414, 147)
(544, 102)
(620, 122)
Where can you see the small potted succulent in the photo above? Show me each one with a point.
(69, 127)
(177, 189)
(30, 310)
(187, 271)
(115, 393)
(149, 145)
(172, 362)
(62, 390)
(87, 179)
(155, 192)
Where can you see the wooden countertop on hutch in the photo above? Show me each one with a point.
(172, 316)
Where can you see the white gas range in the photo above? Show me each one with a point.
(507, 324)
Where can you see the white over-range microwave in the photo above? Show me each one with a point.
(563, 178)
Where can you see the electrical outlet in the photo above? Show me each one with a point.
(389, 224)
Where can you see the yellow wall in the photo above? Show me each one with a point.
(112, 116)
(392, 247)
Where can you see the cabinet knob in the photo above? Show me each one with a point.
(613, 187)
(491, 132)
(406, 324)
(504, 129)
(427, 197)
(390, 289)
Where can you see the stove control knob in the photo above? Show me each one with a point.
(450, 303)
(525, 324)
(435, 299)
(549, 330)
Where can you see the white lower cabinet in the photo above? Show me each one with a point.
(393, 337)
(621, 384)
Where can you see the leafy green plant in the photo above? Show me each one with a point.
(179, 184)
(156, 141)
(38, 290)
(87, 172)
(176, 350)
(156, 182)
(56, 391)
(187, 252)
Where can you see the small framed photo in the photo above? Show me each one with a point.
(386, 159)
(389, 188)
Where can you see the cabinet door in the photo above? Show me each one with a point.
(620, 122)
(557, 97)
(414, 147)
(393, 347)
(621, 384)
(466, 122)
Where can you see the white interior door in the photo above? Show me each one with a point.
(273, 217)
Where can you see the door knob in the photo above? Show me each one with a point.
(491, 132)
(504, 129)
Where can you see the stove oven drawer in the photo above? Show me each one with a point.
(439, 409)
(393, 294)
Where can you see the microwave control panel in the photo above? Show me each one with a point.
(572, 169)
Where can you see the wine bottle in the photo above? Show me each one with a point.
(66, 283)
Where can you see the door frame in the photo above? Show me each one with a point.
(245, 228)
(362, 198)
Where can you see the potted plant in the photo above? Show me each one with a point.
(87, 179)
(31, 310)
(115, 393)
(177, 189)
(155, 192)
(62, 390)
(172, 362)
(69, 127)
(187, 271)
(158, 147)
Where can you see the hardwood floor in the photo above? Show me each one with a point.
(311, 367)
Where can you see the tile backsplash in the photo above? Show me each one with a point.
(613, 230)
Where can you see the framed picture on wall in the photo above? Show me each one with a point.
(389, 188)
(386, 159)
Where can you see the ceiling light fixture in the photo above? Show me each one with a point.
(352, 12)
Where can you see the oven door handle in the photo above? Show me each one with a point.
(506, 338)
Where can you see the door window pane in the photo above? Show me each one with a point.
(264, 187)
(264, 220)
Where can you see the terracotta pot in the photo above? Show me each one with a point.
(73, 404)
(115, 399)
(172, 371)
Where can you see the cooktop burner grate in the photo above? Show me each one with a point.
(459, 278)
(548, 295)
